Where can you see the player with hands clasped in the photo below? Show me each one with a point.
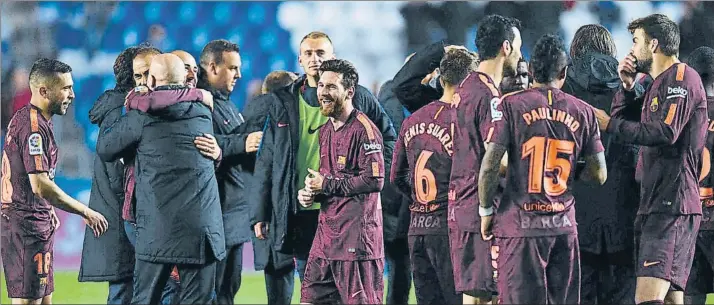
(346, 261)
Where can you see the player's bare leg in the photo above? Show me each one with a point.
(479, 298)
(695, 299)
(675, 297)
(651, 289)
(47, 299)
(26, 301)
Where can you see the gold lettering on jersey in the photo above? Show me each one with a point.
(544, 207)
(443, 134)
(550, 114)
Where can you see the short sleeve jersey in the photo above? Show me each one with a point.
(30, 148)
(545, 131)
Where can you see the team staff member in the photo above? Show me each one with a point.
(605, 213)
(220, 69)
(110, 258)
(293, 121)
(178, 211)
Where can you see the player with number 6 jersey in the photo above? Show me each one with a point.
(421, 169)
(545, 132)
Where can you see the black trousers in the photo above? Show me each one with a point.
(228, 275)
(400, 271)
(279, 284)
(198, 282)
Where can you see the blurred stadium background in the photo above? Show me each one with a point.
(375, 36)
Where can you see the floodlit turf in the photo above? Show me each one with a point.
(252, 291)
(69, 291)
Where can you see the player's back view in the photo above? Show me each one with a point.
(421, 169)
(545, 133)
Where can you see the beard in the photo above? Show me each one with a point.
(643, 65)
(510, 69)
(333, 109)
(56, 106)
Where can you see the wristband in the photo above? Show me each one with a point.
(485, 211)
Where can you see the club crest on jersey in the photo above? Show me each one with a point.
(371, 148)
(676, 92)
(456, 100)
(496, 115)
(654, 105)
(34, 144)
(342, 160)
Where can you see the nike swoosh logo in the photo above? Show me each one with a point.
(311, 131)
(647, 264)
(282, 124)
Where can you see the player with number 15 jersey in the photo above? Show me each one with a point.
(545, 132)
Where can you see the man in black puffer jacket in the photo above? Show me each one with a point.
(110, 257)
(605, 213)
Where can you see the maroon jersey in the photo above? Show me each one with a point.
(473, 101)
(546, 131)
(672, 132)
(421, 166)
(350, 223)
(706, 177)
(30, 148)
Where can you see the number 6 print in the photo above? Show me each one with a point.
(424, 180)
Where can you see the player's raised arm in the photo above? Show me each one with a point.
(672, 112)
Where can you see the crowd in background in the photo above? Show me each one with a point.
(376, 36)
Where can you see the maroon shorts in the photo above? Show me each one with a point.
(346, 282)
(701, 276)
(664, 246)
(539, 270)
(474, 269)
(432, 270)
(27, 257)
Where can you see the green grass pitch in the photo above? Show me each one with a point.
(69, 291)
(252, 290)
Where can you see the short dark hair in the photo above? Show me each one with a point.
(213, 51)
(316, 35)
(491, 32)
(548, 59)
(456, 65)
(702, 61)
(350, 78)
(278, 79)
(592, 38)
(660, 27)
(146, 48)
(44, 68)
(123, 69)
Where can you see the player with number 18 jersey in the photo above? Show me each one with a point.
(27, 230)
(421, 170)
(545, 132)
